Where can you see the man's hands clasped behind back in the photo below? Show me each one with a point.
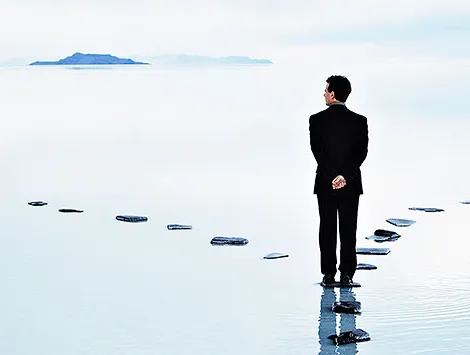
(338, 182)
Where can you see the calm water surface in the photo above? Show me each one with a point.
(226, 150)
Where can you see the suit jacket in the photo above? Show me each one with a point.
(339, 141)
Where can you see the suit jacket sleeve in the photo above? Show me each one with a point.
(359, 154)
(324, 165)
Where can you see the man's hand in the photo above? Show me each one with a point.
(338, 182)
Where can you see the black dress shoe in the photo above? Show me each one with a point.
(345, 280)
(328, 280)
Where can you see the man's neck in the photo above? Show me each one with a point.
(337, 103)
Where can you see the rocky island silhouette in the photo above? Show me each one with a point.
(90, 59)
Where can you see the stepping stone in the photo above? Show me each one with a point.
(383, 235)
(400, 222)
(372, 251)
(380, 239)
(275, 256)
(229, 241)
(37, 203)
(132, 219)
(354, 336)
(366, 267)
(338, 285)
(426, 209)
(350, 307)
(465, 202)
(178, 226)
(70, 210)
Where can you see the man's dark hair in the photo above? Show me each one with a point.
(340, 85)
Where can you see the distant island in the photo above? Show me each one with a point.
(90, 59)
(167, 59)
(189, 59)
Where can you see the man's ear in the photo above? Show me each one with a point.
(332, 94)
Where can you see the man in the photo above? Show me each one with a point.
(339, 141)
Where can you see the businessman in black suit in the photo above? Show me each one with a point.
(339, 141)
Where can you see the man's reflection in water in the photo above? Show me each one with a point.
(327, 322)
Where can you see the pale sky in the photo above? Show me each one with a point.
(51, 29)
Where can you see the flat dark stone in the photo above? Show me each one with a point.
(350, 307)
(383, 235)
(426, 209)
(366, 267)
(465, 202)
(354, 336)
(70, 210)
(275, 256)
(373, 251)
(37, 203)
(178, 226)
(133, 219)
(400, 222)
(229, 241)
(338, 285)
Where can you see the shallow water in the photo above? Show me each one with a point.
(225, 150)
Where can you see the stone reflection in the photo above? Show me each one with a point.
(328, 322)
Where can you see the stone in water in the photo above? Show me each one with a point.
(178, 226)
(426, 209)
(380, 239)
(350, 307)
(275, 256)
(70, 210)
(229, 241)
(373, 251)
(400, 222)
(366, 267)
(37, 203)
(383, 235)
(354, 336)
(133, 219)
(338, 284)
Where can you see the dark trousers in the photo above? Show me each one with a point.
(332, 208)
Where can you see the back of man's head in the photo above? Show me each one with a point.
(340, 85)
